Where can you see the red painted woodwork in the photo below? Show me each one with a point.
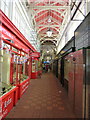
(9, 31)
(7, 102)
(22, 87)
(79, 77)
(35, 58)
(76, 77)
(34, 75)
(12, 28)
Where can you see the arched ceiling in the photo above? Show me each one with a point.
(48, 15)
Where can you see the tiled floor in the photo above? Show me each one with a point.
(45, 98)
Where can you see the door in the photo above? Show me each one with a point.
(87, 84)
(57, 68)
(78, 83)
(62, 71)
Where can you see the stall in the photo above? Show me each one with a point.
(35, 61)
(15, 65)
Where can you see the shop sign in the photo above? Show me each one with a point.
(5, 106)
(6, 32)
(35, 54)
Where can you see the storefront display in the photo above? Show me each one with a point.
(15, 65)
(35, 65)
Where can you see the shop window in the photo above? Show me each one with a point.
(20, 68)
(5, 71)
(14, 72)
(24, 72)
(34, 65)
(36, 61)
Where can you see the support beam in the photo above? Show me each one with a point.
(55, 20)
(59, 1)
(40, 10)
(42, 20)
(48, 40)
(40, 15)
(40, 1)
(46, 27)
(42, 35)
(60, 16)
(37, 26)
(48, 7)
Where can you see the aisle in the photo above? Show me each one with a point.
(45, 98)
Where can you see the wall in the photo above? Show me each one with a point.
(72, 25)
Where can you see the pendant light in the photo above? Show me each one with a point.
(49, 33)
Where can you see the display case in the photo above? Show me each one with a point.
(35, 63)
(8, 90)
(5, 59)
(21, 71)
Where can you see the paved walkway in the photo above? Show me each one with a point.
(45, 98)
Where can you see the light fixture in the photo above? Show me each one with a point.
(47, 51)
(49, 19)
(49, 33)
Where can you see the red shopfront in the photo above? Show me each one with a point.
(15, 62)
(35, 60)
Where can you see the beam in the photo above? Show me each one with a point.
(41, 14)
(46, 27)
(42, 20)
(60, 16)
(48, 7)
(40, 1)
(40, 10)
(48, 40)
(59, 1)
(53, 35)
(55, 20)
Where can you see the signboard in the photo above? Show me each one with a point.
(7, 102)
(23, 87)
(6, 34)
(35, 54)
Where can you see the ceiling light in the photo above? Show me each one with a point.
(49, 19)
(49, 33)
